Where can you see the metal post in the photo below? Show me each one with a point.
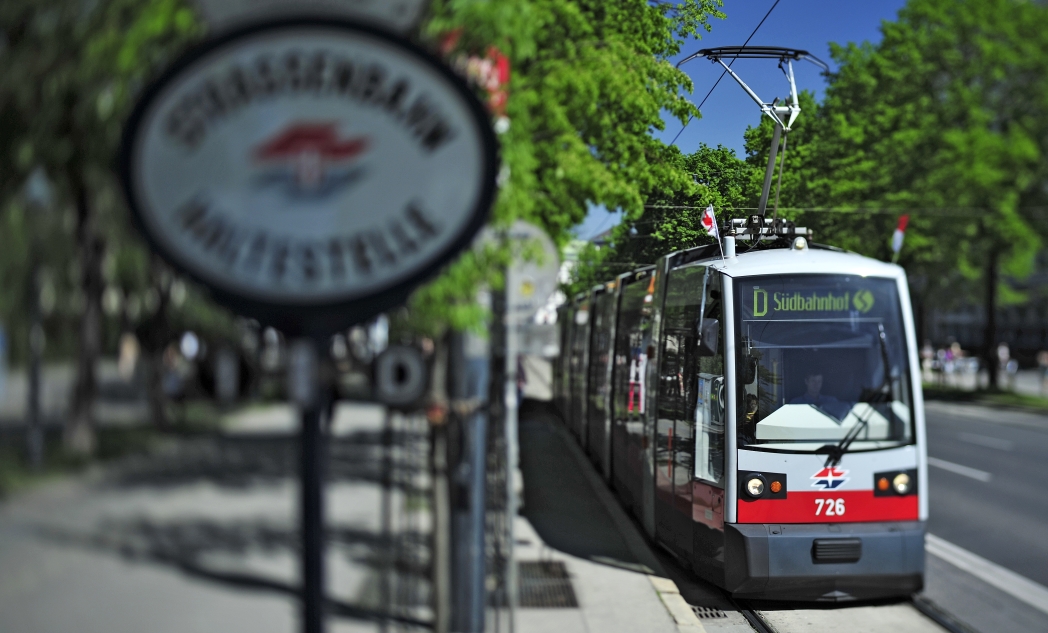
(442, 548)
(512, 332)
(302, 386)
(34, 432)
(770, 171)
(478, 439)
(468, 380)
(39, 195)
(386, 586)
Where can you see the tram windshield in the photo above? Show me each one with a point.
(819, 355)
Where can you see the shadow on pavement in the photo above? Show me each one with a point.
(559, 501)
(241, 461)
(256, 553)
(196, 548)
(575, 512)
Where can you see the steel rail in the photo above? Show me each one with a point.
(752, 616)
(937, 615)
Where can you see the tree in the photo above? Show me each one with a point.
(947, 117)
(673, 222)
(71, 69)
(590, 79)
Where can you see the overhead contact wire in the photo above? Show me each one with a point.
(724, 72)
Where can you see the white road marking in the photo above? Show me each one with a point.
(1011, 583)
(988, 442)
(974, 473)
(1034, 421)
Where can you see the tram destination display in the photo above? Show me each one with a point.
(311, 172)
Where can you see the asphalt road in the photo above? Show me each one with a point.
(988, 494)
(1003, 515)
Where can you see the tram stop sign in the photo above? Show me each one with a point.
(310, 171)
(532, 277)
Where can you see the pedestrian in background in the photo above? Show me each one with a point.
(1042, 362)
(1004, 354)
(3, 362)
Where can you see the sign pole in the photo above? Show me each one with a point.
(511, 331)
(312, 522)
(302, 387)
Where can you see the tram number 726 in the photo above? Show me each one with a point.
(833, 507)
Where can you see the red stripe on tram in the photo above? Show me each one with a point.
(805, 507)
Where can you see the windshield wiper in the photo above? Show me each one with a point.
(883, 393)
(837, 451)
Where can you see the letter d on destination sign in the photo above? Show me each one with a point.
(760, 298)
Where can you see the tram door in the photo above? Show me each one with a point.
(689, 427)
(577, 366)
(602, 333)
(629, 394)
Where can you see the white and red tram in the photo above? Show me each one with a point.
(760, 414)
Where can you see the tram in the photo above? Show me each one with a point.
(759, 412)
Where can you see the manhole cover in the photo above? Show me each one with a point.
(545, 584)
(708, 613)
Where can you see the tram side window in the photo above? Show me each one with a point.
(632, 337)
(709, 406)
(577, 363)
(691, 385)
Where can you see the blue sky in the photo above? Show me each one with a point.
(806, 24)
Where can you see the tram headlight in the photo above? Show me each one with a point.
(902, 483)
(755, 486)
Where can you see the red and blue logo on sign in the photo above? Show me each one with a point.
(829, 478)
(310, 160)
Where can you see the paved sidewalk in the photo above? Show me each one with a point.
(203, 537)
(622, 585)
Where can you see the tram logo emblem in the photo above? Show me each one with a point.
(863, 301)
(309, 160)
(829, 478)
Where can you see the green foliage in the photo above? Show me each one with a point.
(946, 117)
(595, 265)
(71, 73)
(71, 69)
(590, 79)
(673, 222)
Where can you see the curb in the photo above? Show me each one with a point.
(678, 608)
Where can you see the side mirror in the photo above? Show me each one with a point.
(709, 337)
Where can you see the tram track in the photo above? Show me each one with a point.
(931, 610)
(755, 619)
(926, 607)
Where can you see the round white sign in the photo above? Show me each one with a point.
(532, 277)
(311, 172)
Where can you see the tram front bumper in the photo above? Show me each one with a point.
(824, 561)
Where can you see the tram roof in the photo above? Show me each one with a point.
(776, 261)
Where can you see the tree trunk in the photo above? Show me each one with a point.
(153, 335)
(79, 436)
(990, 331)
(154, 374)
(920, 313)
